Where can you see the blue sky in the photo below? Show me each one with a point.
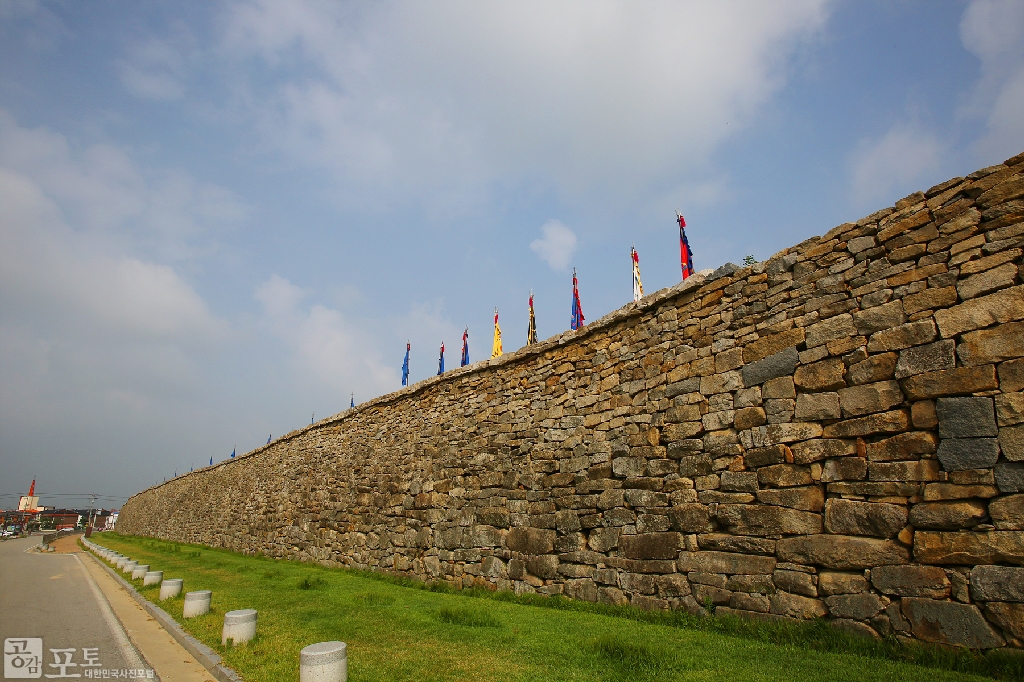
(217, 218)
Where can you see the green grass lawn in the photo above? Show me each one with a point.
(399, 631)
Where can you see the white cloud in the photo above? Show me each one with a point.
(993, 30)
(557, 245)
(157, 69)
(893, 162)
(325, 347)
(438, 101)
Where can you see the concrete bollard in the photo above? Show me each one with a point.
(171, 587)
(196, 603)
(140, 571)
(152, 578)
(121, 561)
(129, 566)
(324, 662)
(239, 626)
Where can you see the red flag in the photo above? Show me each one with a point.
(685, 254)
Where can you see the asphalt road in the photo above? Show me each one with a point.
(51, 596)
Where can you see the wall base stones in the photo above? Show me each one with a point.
(837, 432)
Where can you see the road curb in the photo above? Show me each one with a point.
(206, 656)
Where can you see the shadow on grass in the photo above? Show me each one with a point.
(817, 635)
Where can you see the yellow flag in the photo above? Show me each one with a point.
(496, 350)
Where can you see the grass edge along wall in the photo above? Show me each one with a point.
(836, 432)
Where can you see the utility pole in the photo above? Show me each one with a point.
(92, 503)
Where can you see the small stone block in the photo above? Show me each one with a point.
(966, 417)
(958, 454)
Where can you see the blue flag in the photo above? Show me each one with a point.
(465, 347)
(353, 403)
(440, 362)
(405, 366)
(211, 461)
(232, 452)
(268, 438)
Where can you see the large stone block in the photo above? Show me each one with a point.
(835, 582)
(797, 606)
(770, 345)
(928, 358)
(545, 566)
(969, 548)
(729, 563)
(780, 364)
(1003, 306)
(959, 454)
(945, 622)
(826, 375)
(922, 470)
(847, 517)
(1007, 512)
(895, 421)
(749, 417)
(929, 299)
(986, 282)
(695, 465)
(724, 542)
(530, 540)
(966, 417)
(903, 336)
(819, 449)
(810, 498)
(1005, 342)
(1010, 477)
(691, 518)
(784, 475)
(772, 454)
(841, 552)
(762, 520)
(738, 481)
(878, 318)
(1009, 408)
(857, 606)
(911, 581)
(869, 398)
(650, 545)
(796, 582)
(818, 406)
(947, 515)
(838, 327)
(959, 381)
(875, 368)
(844, 469)
(903, 446)
(603, 539)
(997, 583)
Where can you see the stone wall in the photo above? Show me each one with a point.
(838, 431)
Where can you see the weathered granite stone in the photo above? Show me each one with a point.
(650, 545)
(826, 375)
(816, 406)
(879, 317)
(928, 358)
(957, 454)
(841, 552)
(947, 622)
(847, 517)
(869, 398)
(810, 498)
(1007, 512)
(947, 515)
(690, 518)
(997, 583)
(966, 417)
(856, 606)
(875, 368)
(744, 519)
(797, 606)
(730, 563)
(1005, 342)
(893, 421)
(950, 382)
(530, 540)
(911, 581)
(968, 548)
(818, 449)
(1010, 477)
(1010, 617)
(795, 582)
(780, 364)
(736, 543)
(834, 582)
(904, 336)
(838, 327)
